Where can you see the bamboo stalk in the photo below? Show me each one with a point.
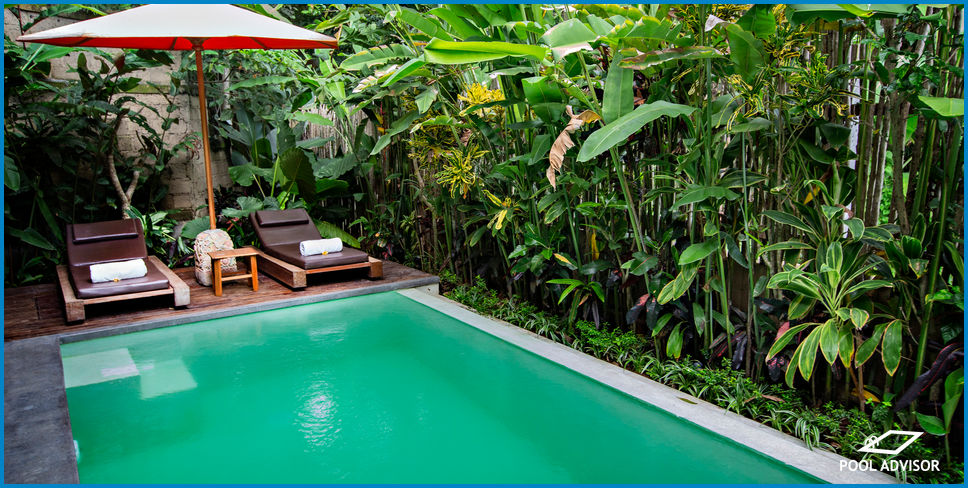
(877, 173)
(954, 146)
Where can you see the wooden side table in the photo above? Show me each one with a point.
(218, 278)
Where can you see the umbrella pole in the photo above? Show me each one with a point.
(203, 112)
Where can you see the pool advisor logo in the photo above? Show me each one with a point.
(886, 444)
(872, 442)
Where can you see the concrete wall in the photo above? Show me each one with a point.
(185, 175)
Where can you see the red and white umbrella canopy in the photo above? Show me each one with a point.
(183, 27)
(186, 27)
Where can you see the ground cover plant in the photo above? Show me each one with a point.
(776, 187)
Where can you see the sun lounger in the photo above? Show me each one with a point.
(108, 242)
(281, 231)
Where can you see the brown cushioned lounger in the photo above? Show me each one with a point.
(107, 242)
(281, 231)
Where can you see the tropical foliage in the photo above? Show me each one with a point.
(63, 160)
(777, 187)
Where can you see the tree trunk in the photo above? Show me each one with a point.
(107, 157)
(899, 114)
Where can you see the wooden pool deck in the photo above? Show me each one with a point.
(38, 310)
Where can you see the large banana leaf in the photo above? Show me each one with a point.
(656, 58)
(450, 52)
(544, 97)
(492, 14)
(618, 131)
(746, 52)
(459, 27)
(805, 13)
(568, 37)
(945, 107)
(618, 98)
(428, 25)
(652, 28)
(611, 10)
(377, 56)
(759, 20)
(407, 69)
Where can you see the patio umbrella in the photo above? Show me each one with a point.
(184, 27)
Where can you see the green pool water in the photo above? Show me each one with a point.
(372, 389)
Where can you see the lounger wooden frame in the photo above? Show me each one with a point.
(295, 277)
(74, 306)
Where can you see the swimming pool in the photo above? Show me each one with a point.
(376, 388)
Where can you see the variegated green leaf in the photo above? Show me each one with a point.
(866, 350)
(891, 346)
(791, 371)
(830, 341)
(808, 353)
(859, 317)
(868, 285)
(785, 339)
(856, 227)
(846, 345)
(800, 307)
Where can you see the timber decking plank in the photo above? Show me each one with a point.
(38, 310)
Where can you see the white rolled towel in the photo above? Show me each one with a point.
(121, 270)
(320, 246)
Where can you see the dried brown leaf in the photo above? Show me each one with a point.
(588, 116)
(556, 157)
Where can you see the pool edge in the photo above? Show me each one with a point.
(763, 439)
(35, 399)
(430, 283)
(37, 443)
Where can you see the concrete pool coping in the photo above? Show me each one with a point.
(38, 446)
(754, 435)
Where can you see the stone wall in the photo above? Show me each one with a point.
(185, 175)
